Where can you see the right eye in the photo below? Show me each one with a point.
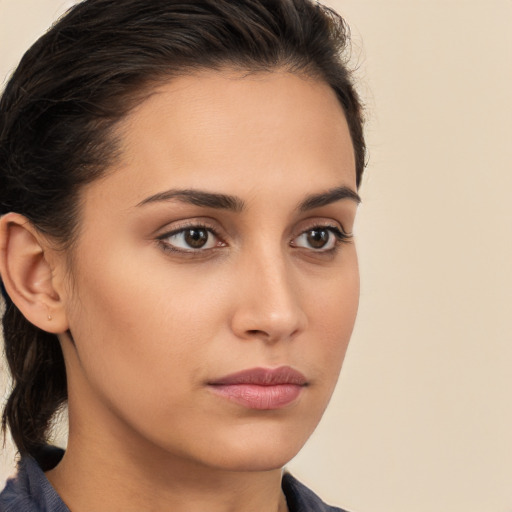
(191, 239)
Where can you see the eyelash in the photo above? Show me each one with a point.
(166, 246)
(340, 238)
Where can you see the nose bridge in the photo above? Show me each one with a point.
(269, 305)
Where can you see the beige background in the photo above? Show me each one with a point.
(421, 420)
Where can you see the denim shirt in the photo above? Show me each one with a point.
(30, 490)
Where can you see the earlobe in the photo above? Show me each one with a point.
(27, 275)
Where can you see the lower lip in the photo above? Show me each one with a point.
(253, 396)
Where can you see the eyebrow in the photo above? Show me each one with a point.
(328, 197)
(235, 204)
(198, 198)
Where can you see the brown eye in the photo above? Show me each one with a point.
(195, 238)
(318, 238)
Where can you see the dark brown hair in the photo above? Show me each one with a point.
(85, 74)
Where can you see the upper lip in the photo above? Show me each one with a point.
(263, 377)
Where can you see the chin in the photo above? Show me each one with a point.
(256, 460)
(266, 450)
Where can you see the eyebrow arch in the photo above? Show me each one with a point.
(325, 198)
(235, 204)
(198, 198)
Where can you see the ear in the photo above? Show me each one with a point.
(27, 274)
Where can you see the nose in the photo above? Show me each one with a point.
(268, 302)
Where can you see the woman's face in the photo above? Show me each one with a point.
(219, 244)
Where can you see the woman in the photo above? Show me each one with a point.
(178, 190)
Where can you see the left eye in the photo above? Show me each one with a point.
(193, 238)
(319, 238)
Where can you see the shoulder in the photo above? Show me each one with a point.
(302, 499)
(30, 491)
(16, 494)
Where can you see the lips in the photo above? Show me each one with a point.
(261, 388)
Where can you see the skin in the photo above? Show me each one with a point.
(154, 321)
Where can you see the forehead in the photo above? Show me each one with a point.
(223, 130)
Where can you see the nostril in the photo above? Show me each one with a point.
(256, 332)
(271, 335)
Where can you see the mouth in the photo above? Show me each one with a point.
(261, 388)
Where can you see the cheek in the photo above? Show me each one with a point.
(333, 314)
(133, 328)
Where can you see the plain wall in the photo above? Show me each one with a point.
(421, 419)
